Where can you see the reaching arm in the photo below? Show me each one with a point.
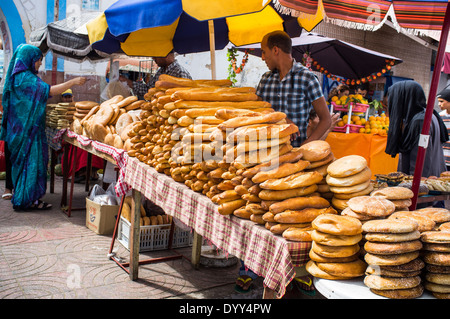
(321, 108)
(59, 88)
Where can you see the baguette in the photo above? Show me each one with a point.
(262, 132)
(126, 101)
(305, 215)
(300, 179)
(256, 145)
(217, 95)
(240, 121)
(283, 170)
(263, 155)
(180, 104)
(231, 112)
(298, 203)
(290, 157)
(271, 195)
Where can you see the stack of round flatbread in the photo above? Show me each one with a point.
(348, 177)
(82, 108)
(335, 252)
(368, 207)
(320, 156)
(436, 255)
(399, 196)
(392, 252)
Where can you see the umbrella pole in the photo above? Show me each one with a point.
(212, 48)
(423, 141)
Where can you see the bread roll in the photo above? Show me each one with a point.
(335, 240)
(337, 224)
(315, 150)
(297, 234)
(355, 179)
(347, 165)
(228, 208)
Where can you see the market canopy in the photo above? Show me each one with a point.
(334, 57)
(60, 37)
(368, 14)
(155, 27)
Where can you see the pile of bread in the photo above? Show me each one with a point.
(148, 217)
(108, 122)
(60, 115)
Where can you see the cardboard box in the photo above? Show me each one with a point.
(101, 218)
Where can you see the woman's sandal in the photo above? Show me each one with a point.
(41, 205)
(7, 196)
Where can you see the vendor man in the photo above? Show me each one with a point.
(292, 88)
(170, 66)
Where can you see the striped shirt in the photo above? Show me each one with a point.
(292, 95)
(446, 145)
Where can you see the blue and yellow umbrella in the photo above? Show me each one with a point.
(155, 27)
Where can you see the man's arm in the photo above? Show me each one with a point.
(321, 108)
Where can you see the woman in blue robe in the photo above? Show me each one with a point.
(23, 126)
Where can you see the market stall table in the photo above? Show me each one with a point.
(350, 289)
(370, 146)
(268, 255)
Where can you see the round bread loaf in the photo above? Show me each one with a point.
(348, 212)
(363, 192)
(390, 226)
(381, 271)
(334, 251)
(339, 204)
(351, 180)
(347, 165)
(431, 286)
(411, 266)
(392, 248)
(335, 240)
(321, 163)
(437, 237)
(436, 258)
(314, 270)
(297, 234)
(440, 295)
(337, 224)
(85, 105)
(444, 227)
(278, 228)
(441, 279)
(315, 150)
(351, 269)
(390, 260)
(424, 223)
(401, 204)
(375, 206)
(394, 192)
(437, 269)
(439, 215)
(388, 283)
(409, 293)
(392, 237)
(321, 259)
(350, 189)
(443, 248)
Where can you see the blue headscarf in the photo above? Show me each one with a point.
(23, 125)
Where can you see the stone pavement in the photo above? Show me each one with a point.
(48, 255)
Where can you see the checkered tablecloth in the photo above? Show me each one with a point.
(119, 155)
(270, 256)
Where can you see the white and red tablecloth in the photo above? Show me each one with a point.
(119, 156)
(268, 255)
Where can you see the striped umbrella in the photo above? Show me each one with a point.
(423, 15)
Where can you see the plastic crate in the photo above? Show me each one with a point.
(154, 237)
(353, 128)
(356, 107)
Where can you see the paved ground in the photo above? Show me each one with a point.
(48, 255)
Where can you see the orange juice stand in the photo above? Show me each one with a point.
(370, 146)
